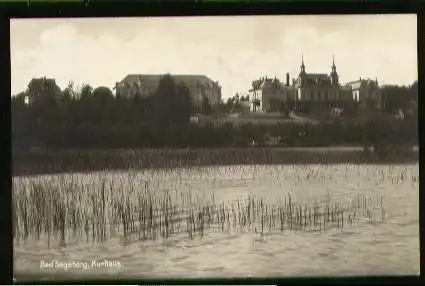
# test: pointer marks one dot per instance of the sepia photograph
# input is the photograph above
(215, 146)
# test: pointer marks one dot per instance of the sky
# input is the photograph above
(233, 50)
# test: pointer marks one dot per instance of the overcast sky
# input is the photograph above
(233, 50)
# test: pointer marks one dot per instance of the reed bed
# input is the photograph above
(35, 162)
(165, 203)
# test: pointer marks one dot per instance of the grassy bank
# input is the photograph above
(43, 161)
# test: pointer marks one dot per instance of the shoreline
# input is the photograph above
(37, 162)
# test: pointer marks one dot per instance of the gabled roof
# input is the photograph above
(317, 75)
(313, 78)
(153, 80)
(361, 83)
(271, 83)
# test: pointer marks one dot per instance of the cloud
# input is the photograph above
(232, 50)
(61, 35)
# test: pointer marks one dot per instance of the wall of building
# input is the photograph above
(268, 94)
(129, 91)
(316, 93)
(197, 94)
(256, 95)
(284, 94)
(196, 91)
(366, 91)
(327, 94)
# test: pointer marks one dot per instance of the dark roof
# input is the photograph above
(363, 82)
(313, 78)
(317, 76)
(271, 83)
(153, 80)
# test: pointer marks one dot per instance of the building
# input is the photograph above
(272, 90)
(199, 86)
(39, 87)
(366, 92)
(256, 95)
(320, 90)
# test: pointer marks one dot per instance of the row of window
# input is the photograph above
(325, 95)
(320, 95)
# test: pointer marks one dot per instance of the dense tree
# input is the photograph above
(94, 118)
(170, 104)
(86, 92)
(396, 97)
(102, 94)
(220, 108)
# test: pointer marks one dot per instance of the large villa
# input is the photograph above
(320, 89)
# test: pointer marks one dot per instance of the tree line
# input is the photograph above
(94, 118)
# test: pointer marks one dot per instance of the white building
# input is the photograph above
(320, 89)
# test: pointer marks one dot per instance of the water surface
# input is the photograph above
(358, 249)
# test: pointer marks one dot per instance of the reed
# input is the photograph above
(161, 204)
(35, 162)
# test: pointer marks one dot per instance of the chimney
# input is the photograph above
(287, 79)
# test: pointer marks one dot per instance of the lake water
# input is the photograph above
(360, 248)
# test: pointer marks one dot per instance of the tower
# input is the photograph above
(302, 72)
(300, 84)
(334, 74)
(302, 64)
(334, 89)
